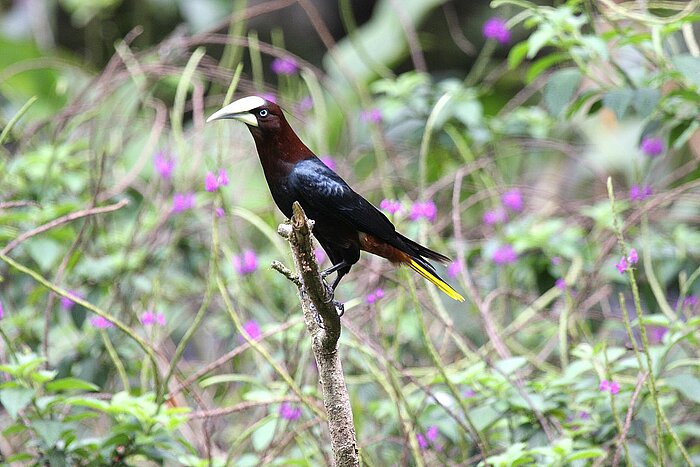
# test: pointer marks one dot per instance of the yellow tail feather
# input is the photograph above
(442, 285)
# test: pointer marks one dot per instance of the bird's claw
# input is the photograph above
(319, 321)
(330, 293)
(340, 308)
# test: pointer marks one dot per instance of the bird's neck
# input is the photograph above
(280, 150)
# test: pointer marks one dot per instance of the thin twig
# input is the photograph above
(240, 407)
(60, 221)
(628, 419)
(18, 204)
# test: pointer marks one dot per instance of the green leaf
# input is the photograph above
(44, 251)
(49, 430)
(645, 101)
(544, 64)
(263, 435)
(681, 134)
(653, 320)
(585, 454)
(15, 399)
(595, 44)
(509, 365)
(70, 384)
(560, 89)
(88, 402)
(619, 101)
(539, 39)
(689, 67)
(517, 55)
(687, 385)
(43, 376)
(484, 416)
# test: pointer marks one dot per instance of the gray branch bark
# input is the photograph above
(316, 301)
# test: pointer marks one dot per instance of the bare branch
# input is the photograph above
(316, 301)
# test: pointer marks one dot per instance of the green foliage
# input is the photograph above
(516, 164)
(66, 421)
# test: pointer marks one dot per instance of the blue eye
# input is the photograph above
(263, 113)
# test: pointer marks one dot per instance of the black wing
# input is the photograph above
(325, 195)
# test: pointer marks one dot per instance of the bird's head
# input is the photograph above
(259, 114)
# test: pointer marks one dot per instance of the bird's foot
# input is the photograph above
(319, 321)
(339, 308)
(330, 293)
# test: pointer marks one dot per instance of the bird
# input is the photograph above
(344, 222)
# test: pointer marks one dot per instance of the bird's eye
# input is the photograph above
(263, 113)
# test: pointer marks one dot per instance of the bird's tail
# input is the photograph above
(423, 250)
(428, 272)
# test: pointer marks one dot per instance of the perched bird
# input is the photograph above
(345, 222)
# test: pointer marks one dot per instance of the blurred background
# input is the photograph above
(88, 29)
(493, 133)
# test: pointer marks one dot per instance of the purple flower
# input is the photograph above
(183, 201)
(640, 193)
(100, 322)
(289, 412)
(690, 301)
(374, 296)
(469, 393)
(622, 265)
(373, 115)
(213, 182)
(2, 311)
(163, 165)
(149, 318)
(504, 254)
(66, 303)
(652, 146)
(556, 260)
(613, 387)
(268, 96)
(305, 104)
(246, 264)
(424, 209)
(494, 216)
(220, 212)
(253, 329)
(390, 206)
(513, 200)
(284, 66)
(495, 28)
(430, 436)
(210, 182)
(222, 178)
(656, 333)
(328, 161)
(432, 433)
(560, 284)
(633, 257)
(454, 269)
(583, 415)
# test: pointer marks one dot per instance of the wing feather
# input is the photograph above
(327, 196)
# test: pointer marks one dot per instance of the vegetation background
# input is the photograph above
(551, 148)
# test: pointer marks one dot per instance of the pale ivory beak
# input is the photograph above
(240, 110)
